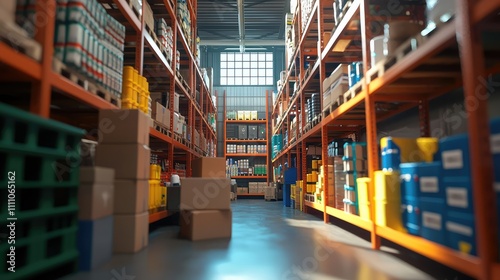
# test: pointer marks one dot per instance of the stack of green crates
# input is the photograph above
(39, 158)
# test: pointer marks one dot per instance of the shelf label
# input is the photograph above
(457, 197)
(495, 143)
(458, 228)
(432, 220)
(429, 185)
(453, 159)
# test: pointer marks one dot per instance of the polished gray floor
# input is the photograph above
(269, 242)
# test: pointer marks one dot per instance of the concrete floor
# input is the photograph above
(269, 242)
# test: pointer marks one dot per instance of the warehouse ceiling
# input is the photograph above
(262, 23)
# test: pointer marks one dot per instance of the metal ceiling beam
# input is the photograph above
(241, 25)
(247, 42)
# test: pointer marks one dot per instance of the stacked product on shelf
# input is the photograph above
(90, 42)
(135, 90)
(270, 192)
(355, 71)
(245, 148)
(157, 192)
(336, 151)
(256, 187)
(277, 144)
(149, 20)
(213, 217)
(296, 194)
(355, 165)
(95, 215)
(313, 107)
(35, 164)
(126, 150)
(243, 167)
(330, 174)
(161, 115)
(185, 19)
(397, 33)
(305, 10)
(335, 85)
(166, 37)
(364, 195)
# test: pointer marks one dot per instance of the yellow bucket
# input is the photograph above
(364, 197)
(428, 147)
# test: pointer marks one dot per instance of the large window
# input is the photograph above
(246, 69)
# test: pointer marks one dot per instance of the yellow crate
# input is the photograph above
(364, 197)
(152, 185)
(163, 196)
(388, 200)
(247, 115)
(292, 191)
(241, 115)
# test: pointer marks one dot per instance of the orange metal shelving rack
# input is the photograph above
(266, 141)
(462, 37)
(45, 81)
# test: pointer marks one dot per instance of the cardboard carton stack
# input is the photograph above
(124, 146)
(95, 216)
(205, 201)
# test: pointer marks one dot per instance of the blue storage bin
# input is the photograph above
(95, 242)
(458, 191)
(455, 159)
(433, 219)
(495, 146)
(460, 232)
(287, 201)
(391, 156)
(411, 214)
(421, 180)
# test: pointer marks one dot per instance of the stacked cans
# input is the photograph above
(313, 106)
(165, 35)
(355, 73)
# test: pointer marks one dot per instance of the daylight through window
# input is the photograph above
(245, 69)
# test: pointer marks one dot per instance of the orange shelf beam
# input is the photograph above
(155, 133)
(154, 217)
(129, 14)
(314, 205)
(156, 50)
(449, 257)
(250, 194)
(350, 218)
(75, 91)
(308, 26)
(20, 62)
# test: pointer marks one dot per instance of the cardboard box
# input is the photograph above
(131, 233)
(157, 112)
(209, 167)
(205, 194)
(242, 190)
(95, 200)
(131, 196)
(173, 198)
(176, 102)
(123, 127)
(95, 242)
(130, 161)
(206, 224)
(95, 174)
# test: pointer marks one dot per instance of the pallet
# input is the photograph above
(353, 91)
(344, 11)
(17, 38)
(84, 82)
(163, 129)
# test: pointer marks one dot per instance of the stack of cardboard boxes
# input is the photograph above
(123, 146)
(205, 201)
(95, 225)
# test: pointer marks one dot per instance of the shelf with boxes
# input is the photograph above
(387, 63)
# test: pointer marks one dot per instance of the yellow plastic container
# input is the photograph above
(128, 105)
(314, 176)
(388, 200)
(314, 164)
(364, 197)
(163, 196)
(309, 177)
(428, 146)
(292, 191)
(152, 185)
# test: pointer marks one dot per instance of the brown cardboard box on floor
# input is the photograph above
(95, 200)
(131, 196)
(131, 232)
(130, 161)
(205, 194)
(96, 174)
(205, 224)
(209, 167)
(123, 126)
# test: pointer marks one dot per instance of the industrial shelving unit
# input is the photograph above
(52, 95)
(249, 141)
(452, 56)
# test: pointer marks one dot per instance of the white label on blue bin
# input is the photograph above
(496, 185)
(429, 184)
(495, 143)
(431, 220)
(457, 197)
(458, 228)
(453, 159)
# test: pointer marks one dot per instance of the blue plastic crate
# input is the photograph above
(460, 232)
(495, 146)
(411, 215)
(95, 242)
(458, 192)
(421, 180)
(455, 158)
(433, 219)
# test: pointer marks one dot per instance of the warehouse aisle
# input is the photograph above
(269, 243)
